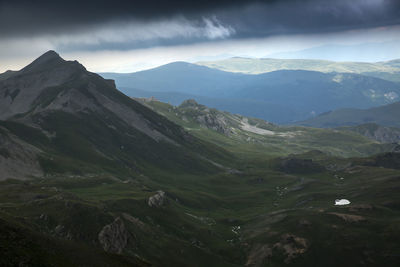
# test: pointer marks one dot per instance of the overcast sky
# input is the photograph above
(126, 36)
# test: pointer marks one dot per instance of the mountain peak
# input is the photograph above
(50, 54)
(50, 58)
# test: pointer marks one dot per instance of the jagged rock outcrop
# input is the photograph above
(377, 132)
(384, 134)
(114, 236)
(217, 122)
(158, 200)
(208, 118)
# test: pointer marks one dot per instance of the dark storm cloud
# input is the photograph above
(42, 16)
(312, 16)
(248, 19)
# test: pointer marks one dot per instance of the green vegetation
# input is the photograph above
(124, 183)
(200, 223)
(229, 131)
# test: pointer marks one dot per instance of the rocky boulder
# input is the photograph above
(114, 236)
(157, 200)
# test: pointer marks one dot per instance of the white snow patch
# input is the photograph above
(244, 125)
(341, 202)
(254, 129)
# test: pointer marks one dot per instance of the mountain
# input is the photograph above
(181, 77)
(387, 115)
(251, 107)
(387, 70)
(6, 74)
(280, 96)
(62, 118)
(237, 133)
(91, 177)
(358, 52)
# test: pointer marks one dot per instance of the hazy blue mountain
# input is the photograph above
(387, 70)
(182, 77)
(387, 115)
(249, 107)
(263, 65)
(279, 96)
(370, 52)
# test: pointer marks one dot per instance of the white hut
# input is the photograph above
(341, 202)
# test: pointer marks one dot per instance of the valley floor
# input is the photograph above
(268, 213)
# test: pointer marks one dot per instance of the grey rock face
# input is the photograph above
(384, 134)
(216, 122)
(52, 84)
(207, 118)
(20, 91)
(158, 200)
(18, 159)
(114, 236)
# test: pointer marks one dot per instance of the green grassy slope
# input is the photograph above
(260, 216)
(228, 130)
(286, 216)
(387, 115)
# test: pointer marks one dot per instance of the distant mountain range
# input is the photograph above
(358, 52)
(388, 70)
(282, 96)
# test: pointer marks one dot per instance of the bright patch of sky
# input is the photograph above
(21, 51)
